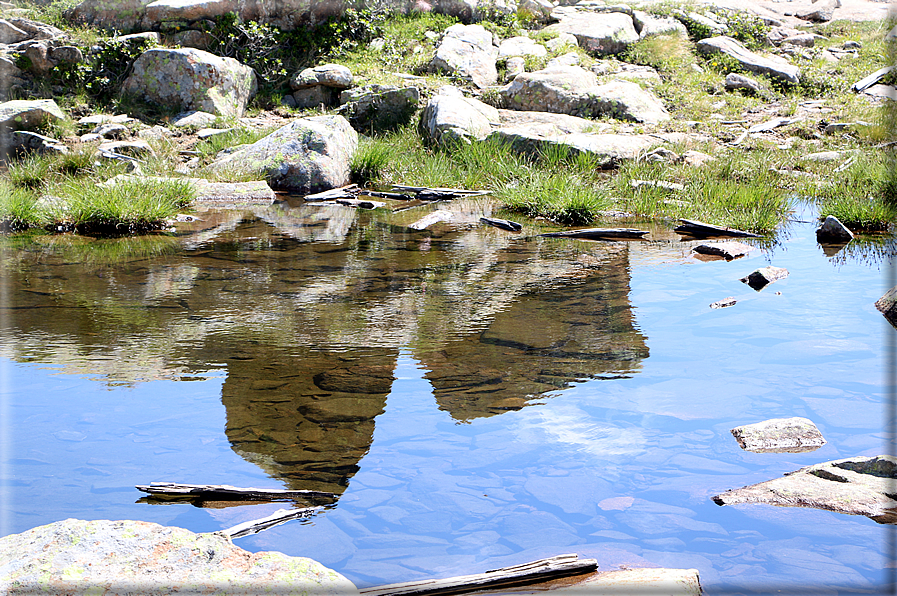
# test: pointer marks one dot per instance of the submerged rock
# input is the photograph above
(779, 435)
(856, 486)
(131, 557)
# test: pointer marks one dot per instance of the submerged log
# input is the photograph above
(361, 203)
(527, 573)
(598, 233)
(504, 224)
(432, 218)
(703, 230)
(225, 492)
(280, 516)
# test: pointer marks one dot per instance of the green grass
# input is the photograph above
(18, 208)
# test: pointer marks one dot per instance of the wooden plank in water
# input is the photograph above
(172, 490)
(598, 233)
(517, 575)
(343, 192)
(703, 230)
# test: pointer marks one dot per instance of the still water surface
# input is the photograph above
(475, 398)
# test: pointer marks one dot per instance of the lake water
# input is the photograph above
(475, 398)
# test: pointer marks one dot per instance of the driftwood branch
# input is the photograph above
(703, 230)
(280, 516)
(598, 233)
(344, 192)
(527, 573)
(225, 492)
(504, 224)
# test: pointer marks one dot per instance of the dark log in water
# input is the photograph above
(222, 492)
(598, 233)
(703, 230)
(504, 224)
(518, 575)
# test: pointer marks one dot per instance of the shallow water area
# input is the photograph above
(475, 398)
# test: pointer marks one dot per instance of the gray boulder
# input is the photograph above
(193, 118)
(308, 155)
(467, 52)
(192, 79)
(521, 46)
(25, 141)
(749, 60)
(129, 557)
(821, 11)
(856, 486)
(601, 33)
(832, 231)
(736, 81)
(160, 11)
(379, 107)
(779, 435)
(450, 117)
(726, 249)
(9, 33)
(320, 85)
(573, 90)
(20, 114)
(648, 24)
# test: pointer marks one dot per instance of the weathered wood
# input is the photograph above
(399, 196)
(704, 230)
(424, 193)
(504, 224)
(598, 233)
(432, 218)
(222, 492)
(516, 575)
(343, 192)
(870, 80)
(280, 516)
(361, 203)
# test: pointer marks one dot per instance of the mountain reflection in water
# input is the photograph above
(307, 310)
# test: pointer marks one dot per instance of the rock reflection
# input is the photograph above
(307, 308)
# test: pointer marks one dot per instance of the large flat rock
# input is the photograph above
(733, 48)
(134, 557)
(600, 33)
(857, 486)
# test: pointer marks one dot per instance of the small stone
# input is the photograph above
(207, 133)
(514, 66)
(154, 133)
(727, 250)
(335, 76)
(313, 97)
(90, 137)
(193, 118)
(764, 276)
(696, 158)
(137, 148)
(832, 231)
(852, 45)
(779, 435)
(111, 131)
(671, 186)
(564, 39)
(724, 303)
(736, 81)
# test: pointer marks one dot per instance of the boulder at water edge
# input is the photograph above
(833, 231)
(779, 435)
(308, 155)
(887, 305)
(449, 116)
(134, 557)
(191, 79)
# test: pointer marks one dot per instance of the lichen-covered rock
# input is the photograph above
(192, 79)
(857, 486)
(467, 52)
(777, 68)
(308, 155)
(573, 90)
(336, 76)
(738, 81)
(135, 557)
(449, 117)
(779, 435)
(379, 107)
(20, 114)
(601, 33)
(159, 11)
